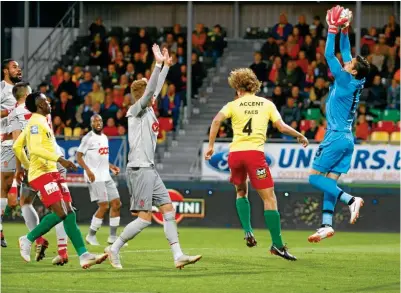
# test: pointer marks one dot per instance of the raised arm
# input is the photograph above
(163, 74)
(345, 46)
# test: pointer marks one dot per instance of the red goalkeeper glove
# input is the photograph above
(348, 15)
(335, 19)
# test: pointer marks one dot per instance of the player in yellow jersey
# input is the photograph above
(250, 116)
(43, 176)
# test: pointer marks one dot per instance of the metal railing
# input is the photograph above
(49, 52)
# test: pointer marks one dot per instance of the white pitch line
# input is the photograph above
(70, 290)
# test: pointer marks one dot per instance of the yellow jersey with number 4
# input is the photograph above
(250, 116)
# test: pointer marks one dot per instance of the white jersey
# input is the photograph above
(96, 155)
(7, 102)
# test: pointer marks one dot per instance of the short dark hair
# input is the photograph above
(30, 101)
(362, 67)
(4, 65)
(20, 89)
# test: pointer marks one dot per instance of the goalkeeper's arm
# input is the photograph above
(345, 46)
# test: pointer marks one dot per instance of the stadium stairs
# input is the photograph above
(179, 162)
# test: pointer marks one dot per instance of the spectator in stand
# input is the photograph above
(394, 60)
(318, 93)
(181, 57)
(57, 78)
(139, 76)
(384, 48)
(217, 42)
(140, 67)
(124, 84)
(321, 68)
(290, 112)
(127, 56)
(78, 75)
(282, 53)
(199, 39)
(130, 72)
(58, 126)
(321, 131)
(183, 78)
(121, 119)
(67, 86)
(362, 128)
(148, 73)
(370, 40)
(120, 63)
(392, 28)
(174, 73)
(181, 43)
(377, 97)
(297, 36)
(114, 47)
(273, 72)
(170, 105)
(146, 58)
(308, 48)
(44, 89)
(111, 79)
(321, 47)
(269, 49)
(171, 43)
(259, 67)
(318, 26)
(302, 26)
(97, 28)
(84, 114)
(121, 130)
(290, 75)
(378, 59)
(302, 62)
(127, 102)
(98, 53)
(397, 75)
(309, 78)
(282, 29)
(97, 93)
(292, 47)
(141, 38)
(108, 108)
(65, 109)
(278, 97)
(296, 95)
(96, 108)
(314, 36)
(110, 129)
(118, 96)
(198, 73)
(85, 87)
(311, 132)
(393, 95)
(177, 31)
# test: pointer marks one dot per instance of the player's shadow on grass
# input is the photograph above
(378, 288)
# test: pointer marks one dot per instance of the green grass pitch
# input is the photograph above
(348, 262)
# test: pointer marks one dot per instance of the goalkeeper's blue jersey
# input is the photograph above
(343, 98)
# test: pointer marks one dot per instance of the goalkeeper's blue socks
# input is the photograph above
(329, 203)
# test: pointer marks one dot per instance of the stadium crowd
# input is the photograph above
(101, 83)
(296, 76)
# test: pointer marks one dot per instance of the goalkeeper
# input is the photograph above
(333, 157)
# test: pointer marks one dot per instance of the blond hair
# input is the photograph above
(138, 89)
(244, 80)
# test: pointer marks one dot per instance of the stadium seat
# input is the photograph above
(152, 32)
(252, 33)
(379, 136)
(397, 126)
(161, 136)
(165, 30)
(93, 69)
(304, 125)
(395, 137)
(378, 113)
(166, 123)
(115, 31)
(131, 31)
(391, 115)
(387, 126)
(67, 132)
(313, 114)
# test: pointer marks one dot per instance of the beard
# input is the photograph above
(15, 79)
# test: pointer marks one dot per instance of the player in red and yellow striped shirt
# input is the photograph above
(250, 116)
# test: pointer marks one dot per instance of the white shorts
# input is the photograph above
(103, 191)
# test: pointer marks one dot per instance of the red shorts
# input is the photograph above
(252, 164)
(52, 188)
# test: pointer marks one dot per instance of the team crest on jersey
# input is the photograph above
(261, 173)
(34, 129)
(155, 127)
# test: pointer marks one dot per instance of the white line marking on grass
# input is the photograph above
(69, 290)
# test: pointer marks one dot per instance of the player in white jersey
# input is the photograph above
(17, 120)
(144, 183)
(93, 157)
(11, 74)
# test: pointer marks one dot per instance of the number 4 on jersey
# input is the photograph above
(248, 127)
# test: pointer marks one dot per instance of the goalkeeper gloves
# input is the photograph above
(335, 18)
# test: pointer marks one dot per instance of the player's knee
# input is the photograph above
(169, 216)
(115, 204)
(104, 206)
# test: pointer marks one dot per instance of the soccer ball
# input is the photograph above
(346, 13)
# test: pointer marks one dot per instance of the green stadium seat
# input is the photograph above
(313, 114)
(391, 115)
(378, 113)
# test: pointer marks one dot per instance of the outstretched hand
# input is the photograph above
(158, 55)
(167, 59)
(336, 17)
